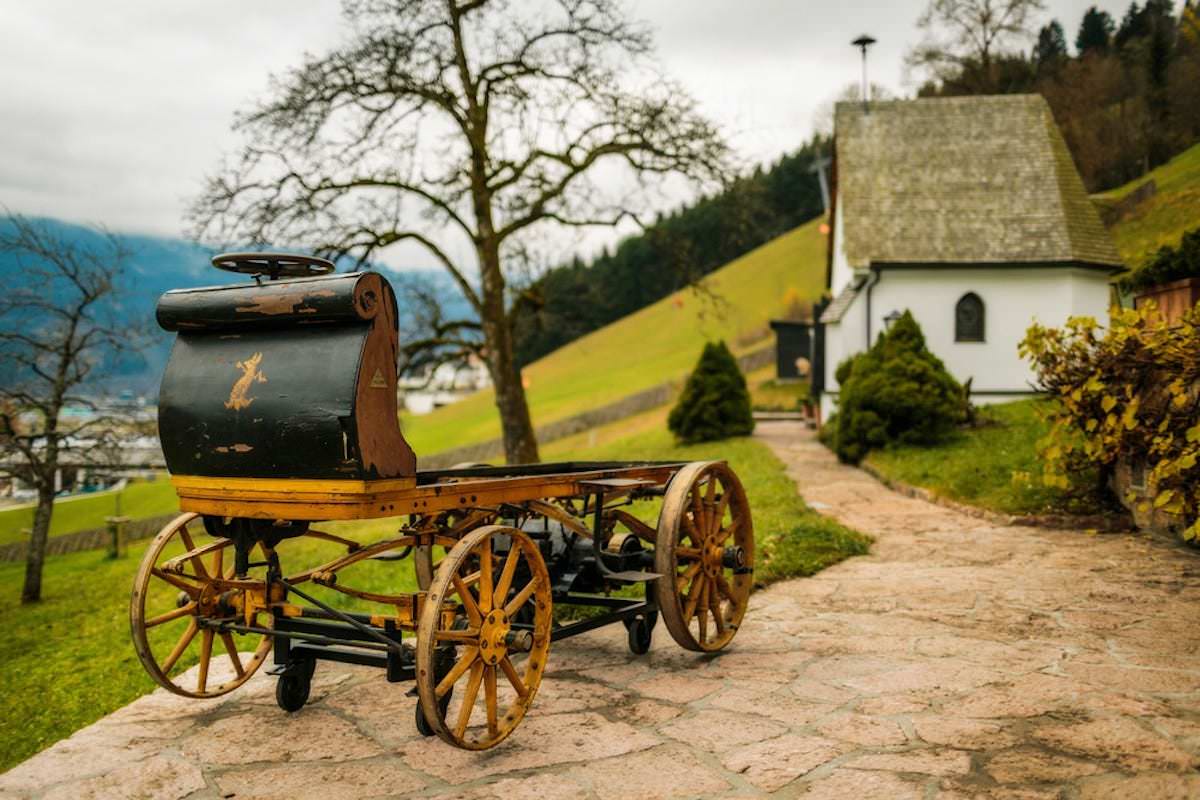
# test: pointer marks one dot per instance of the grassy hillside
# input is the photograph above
(658, 343)
(1164, 218)
(137, 501)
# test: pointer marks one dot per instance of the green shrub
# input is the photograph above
(1127, 392)
(896, 392)
(715, 403)
(1169, 264)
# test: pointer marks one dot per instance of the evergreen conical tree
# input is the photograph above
(898, 391)
(715, 403)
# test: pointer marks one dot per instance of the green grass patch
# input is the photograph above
(137, 500)
(994, 466)
(768, 393)
(1163, 219)
(656, 344)
(68, 661)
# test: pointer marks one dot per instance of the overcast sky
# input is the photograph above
(112, 112)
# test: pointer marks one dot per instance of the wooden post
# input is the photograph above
(116, 536)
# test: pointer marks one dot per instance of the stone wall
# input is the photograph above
(93, 539)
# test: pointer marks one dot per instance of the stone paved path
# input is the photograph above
(958, 660)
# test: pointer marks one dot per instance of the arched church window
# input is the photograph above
(968, 319)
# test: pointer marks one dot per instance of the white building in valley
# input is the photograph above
(968, 212)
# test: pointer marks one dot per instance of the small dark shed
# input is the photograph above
(793, 348)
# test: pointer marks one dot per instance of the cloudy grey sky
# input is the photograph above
(113, 112)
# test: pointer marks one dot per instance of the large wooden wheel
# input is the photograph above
(486, 596)
(705, 553)
(172, 599)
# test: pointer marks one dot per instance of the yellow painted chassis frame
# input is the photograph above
(300, 500)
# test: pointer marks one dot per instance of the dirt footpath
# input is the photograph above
(960, 659)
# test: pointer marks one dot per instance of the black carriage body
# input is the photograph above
(294, 379)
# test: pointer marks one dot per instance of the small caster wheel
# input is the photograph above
(423, 726)
(640, 632)
(445, 664)
(292, 687)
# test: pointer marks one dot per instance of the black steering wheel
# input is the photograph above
(273, 265)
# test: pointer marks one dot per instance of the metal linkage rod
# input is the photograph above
(368, 630)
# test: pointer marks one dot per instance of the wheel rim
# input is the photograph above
(705, 553)
(493, 680)
(168, 609)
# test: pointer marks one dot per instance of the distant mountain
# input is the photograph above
(159, 264)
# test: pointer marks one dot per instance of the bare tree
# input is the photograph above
(56, 328)
(967, 35)
(462, 126)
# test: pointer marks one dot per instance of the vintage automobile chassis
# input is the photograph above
(483, 615)
(278, 410)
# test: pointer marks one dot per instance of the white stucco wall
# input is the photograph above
(1013, 298)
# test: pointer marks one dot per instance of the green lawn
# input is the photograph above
(658, 343)
(68, 661)
(1164, 218)
(994, 466)
(137, 500)
(768, 393)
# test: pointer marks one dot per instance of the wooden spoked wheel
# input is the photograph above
(469, 645)
(705, 553)
(173, 599)
(453, 523)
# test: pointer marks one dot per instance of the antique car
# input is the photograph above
(278, 411)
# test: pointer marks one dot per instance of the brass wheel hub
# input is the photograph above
(712, 557)
(493, 637)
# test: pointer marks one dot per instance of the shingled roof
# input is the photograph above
(963, 180)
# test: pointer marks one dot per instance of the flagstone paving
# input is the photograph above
(960, 659)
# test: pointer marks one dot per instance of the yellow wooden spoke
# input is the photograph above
(486, 587)
(689, 528)
(197, 562)
(231, 649)
(515, 604)
(700, 526)
(685, 577)
(697, 587)
(510, 672)
(175, 613)
(218, 558)
(722, 505)
(489, 698)
(456, 672)
(468, 700)
(180, 646)
(724, 588)
(710, 495)
(206, 643)
(506, 575)
(687, 553)
(468, 601)
(178, 582)
(714, 603)
(702, 612)
(468, 636)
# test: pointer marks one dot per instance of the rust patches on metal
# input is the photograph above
(235, 448)
(284, 303)
(239, 395)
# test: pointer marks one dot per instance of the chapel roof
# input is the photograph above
(958, 180)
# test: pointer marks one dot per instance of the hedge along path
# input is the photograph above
(960, 659)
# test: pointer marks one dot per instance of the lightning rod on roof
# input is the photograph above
(862, 43)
